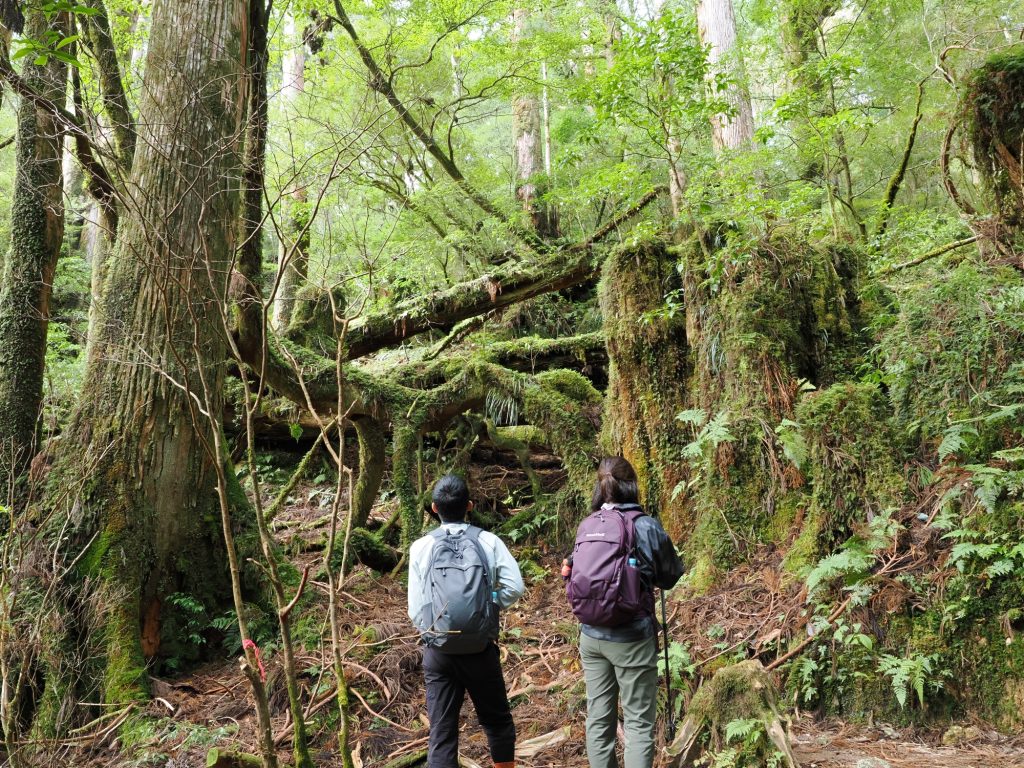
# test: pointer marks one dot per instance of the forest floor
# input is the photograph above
(210, 706)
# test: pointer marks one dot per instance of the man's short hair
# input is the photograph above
(451, 495)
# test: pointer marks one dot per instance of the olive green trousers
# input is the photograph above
(626, 671)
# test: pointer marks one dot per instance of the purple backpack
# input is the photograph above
(605, 588)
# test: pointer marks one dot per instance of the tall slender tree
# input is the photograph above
(716, 23)
(293, 249)
(528, 148)
(37, 230)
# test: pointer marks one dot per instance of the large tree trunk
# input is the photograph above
(37, 229)
(716, 24)
(134, 474)
(528, 150)
(648, 373)
(735, 354)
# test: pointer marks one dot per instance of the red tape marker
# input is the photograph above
(249, 644)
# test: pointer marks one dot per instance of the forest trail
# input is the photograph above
(542, 673)
(545, 682)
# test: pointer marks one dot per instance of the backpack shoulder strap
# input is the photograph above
(472, 533)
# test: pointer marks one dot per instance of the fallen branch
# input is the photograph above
(532, 747)
(929, 255)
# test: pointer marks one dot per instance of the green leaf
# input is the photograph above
(696, 416)
(740, 729)
(954, 439)
(23, 51)
(295, 429)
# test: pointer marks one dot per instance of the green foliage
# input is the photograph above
(855, 558)
(530, 526)
(712, 434)
(681, 669)
(914, 673)
(794, 446)
(950, 360)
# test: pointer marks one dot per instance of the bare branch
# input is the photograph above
(383, 85)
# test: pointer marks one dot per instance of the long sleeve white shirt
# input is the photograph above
(503, 568)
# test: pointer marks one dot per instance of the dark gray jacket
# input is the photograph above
(660, 567)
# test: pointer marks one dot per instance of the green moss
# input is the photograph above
(649, 373)
(995, 119)
(738, 692)
(854, 466)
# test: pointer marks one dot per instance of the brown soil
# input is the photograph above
(542, 674)
(211, 706)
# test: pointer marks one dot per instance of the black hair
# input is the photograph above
(451, 495)
(616, 483)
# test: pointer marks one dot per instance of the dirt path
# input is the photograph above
(545, 682)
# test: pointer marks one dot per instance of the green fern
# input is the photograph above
(913, 673)
(740, 729)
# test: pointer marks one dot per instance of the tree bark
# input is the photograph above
(649, 372)
(111, 85)
(716, 24)
(528, 150)
(293, 250)
(801, 25)
(372, 459)
(135, 473)
(37, 229)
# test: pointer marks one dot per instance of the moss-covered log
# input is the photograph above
(502, 288)
(37, 230)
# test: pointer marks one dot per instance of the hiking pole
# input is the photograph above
(670, 720)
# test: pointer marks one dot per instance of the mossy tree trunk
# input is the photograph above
(648, 373)
(134, 476)
(372, 459)
(785, 315)
(37, 230)
(735, 349)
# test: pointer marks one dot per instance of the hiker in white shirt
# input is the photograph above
(452, 665)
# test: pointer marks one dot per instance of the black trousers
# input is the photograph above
(449, 678)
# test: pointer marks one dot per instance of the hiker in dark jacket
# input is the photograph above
(621, 661)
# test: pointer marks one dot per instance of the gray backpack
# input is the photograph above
(463, 611)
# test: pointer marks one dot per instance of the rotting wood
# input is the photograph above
(218, 758)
